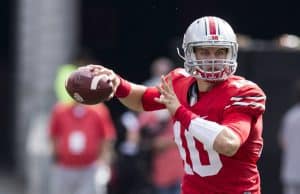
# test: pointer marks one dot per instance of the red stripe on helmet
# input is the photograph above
(212, 26)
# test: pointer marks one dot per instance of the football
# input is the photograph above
(86, 88)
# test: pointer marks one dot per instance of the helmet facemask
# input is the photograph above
(210, 69)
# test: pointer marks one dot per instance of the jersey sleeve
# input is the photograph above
(240, 123)
(244, 108)
(248, 99)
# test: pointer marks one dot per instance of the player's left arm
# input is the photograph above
(225, 137)
(236, 129)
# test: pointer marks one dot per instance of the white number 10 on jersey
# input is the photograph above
(196, 166)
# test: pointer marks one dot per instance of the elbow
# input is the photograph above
(227, 147)
(230, 148)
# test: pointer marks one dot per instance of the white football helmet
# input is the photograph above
(210, 31)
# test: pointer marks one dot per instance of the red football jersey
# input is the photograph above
(79, 131)
(235, 99)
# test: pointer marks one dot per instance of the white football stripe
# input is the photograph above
(253, 104)
(96, 80)
(257, 98)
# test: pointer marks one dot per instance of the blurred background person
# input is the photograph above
(160, 66)
(133, 159)
(81, 148)
(288, 136)
(82, 138)
(149, 139)
(38, 145)
(166, 167)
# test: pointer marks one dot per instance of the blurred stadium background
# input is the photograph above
(39, 35)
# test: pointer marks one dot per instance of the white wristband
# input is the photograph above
(205, 131)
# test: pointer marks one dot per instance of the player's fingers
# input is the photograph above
(170, 83)
(101, 70)
(165, 94)
(111, 74)
(164, 83)
(158, 100)
(161, 99)
(95, 66)
(115, 80)
(82, 68)
(161, 89)
(105, 71)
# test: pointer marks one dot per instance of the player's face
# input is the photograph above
(203, 53)
(210, 55)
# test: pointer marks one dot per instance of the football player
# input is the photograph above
(217, 115)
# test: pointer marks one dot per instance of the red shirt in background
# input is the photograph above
(78, 132)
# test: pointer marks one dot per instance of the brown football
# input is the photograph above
(86, 88)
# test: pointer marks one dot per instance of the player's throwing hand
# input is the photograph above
(99, 69)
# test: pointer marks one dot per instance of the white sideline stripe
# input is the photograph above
(95, 81)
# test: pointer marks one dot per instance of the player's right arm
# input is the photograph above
(134, 96)
(134, 99)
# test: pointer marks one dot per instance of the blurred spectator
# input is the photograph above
(166, 166)
(38, 145)
(82, 139)
(244, 41)
(160, 66)
(289, 142)
(288, 41)
(149, 138)
(133, 158)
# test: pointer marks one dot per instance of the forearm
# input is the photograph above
(138, 97)
(211, 134)
(134, 99)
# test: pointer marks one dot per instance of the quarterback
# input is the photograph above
(217, 115)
